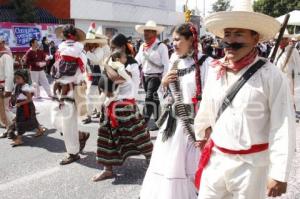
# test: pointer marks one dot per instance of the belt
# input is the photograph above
(110, 111)
(153, 74)
(2, 81)
(206, 153)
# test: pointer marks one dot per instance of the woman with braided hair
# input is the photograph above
(175, 156)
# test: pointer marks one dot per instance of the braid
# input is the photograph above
(195, 57)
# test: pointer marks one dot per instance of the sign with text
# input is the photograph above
(18, 35)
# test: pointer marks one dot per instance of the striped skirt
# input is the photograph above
(129, 137)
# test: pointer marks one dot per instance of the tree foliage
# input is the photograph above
(24, 10)
(276, 8)
(221, 5)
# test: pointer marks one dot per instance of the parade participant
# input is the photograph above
(36, 60)
(68, 73)
(97, 50)
(174, 160)
(6, 86)
(153, 56)
(288, 61)
(123, 131)
(25, 115)
(246, 102)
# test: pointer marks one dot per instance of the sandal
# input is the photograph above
(40, 132)
(17, 142)
(68, 160)
(105, 174)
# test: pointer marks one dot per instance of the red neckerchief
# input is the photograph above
(149, 44)
(222, 66)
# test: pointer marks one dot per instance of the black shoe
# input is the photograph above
(3, 135)
(68, 160)
(87, 120)
(83, 141)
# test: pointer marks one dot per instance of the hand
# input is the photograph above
(171, 76)
(276, 188)
(41, 64)
(200, 144)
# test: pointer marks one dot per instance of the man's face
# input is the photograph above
(149, 34)
(248, 38)
(35, 44)
(284, 42)
(2, 44)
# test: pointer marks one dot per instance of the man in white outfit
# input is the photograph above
(6, 86)
(288, 61)
(97, 49)
(251, 146)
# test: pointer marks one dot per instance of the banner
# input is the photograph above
(18, 35)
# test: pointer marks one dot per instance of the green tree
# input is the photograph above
(24, 10)
(276, 8)
(221, 5)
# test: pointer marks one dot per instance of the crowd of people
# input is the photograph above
(225, 114)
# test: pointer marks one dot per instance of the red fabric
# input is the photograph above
(110, 111)
(26, 111)
(149, 44)
(33, 57)
(74, 59)
(1, 82)
(236, 66)
(207, 150)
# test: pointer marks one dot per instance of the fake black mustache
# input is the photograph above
(234, 46)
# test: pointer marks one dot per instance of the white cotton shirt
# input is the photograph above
(160, 56)
(7, 72)
(189, 91)
(25, 88)
(136, 80)
(261, 112)
(292, 66)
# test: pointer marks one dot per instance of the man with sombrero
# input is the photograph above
(6, 86)
(154, 59)
(247, 103)
(97, 49)
(288, 61)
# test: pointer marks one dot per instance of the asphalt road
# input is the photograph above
(32, 171)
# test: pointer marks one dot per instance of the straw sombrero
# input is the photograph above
(285, 35)
(150, 25)
(94, 36)
(59, 33)
(243, 17)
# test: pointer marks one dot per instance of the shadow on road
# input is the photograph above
(46, 142)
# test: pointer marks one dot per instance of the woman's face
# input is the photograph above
(19, 79)
(182, 45)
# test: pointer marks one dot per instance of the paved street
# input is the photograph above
(32, 171)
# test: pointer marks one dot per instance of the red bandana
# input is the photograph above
(236, 66)
(149, 44)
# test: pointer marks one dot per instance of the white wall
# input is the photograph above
(113, 11)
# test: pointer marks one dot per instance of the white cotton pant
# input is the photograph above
(94, 99)
(64, 119)
(227, 177)
(6, 116)
(39, 78)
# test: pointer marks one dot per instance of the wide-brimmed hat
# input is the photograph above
(93, 36)
(80, 34)
(150, 25)
(242, 16)
(286, 34)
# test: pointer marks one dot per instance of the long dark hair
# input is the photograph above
(69, 31)
(120, 40)
(188, 30)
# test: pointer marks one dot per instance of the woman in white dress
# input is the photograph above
(175, 157)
